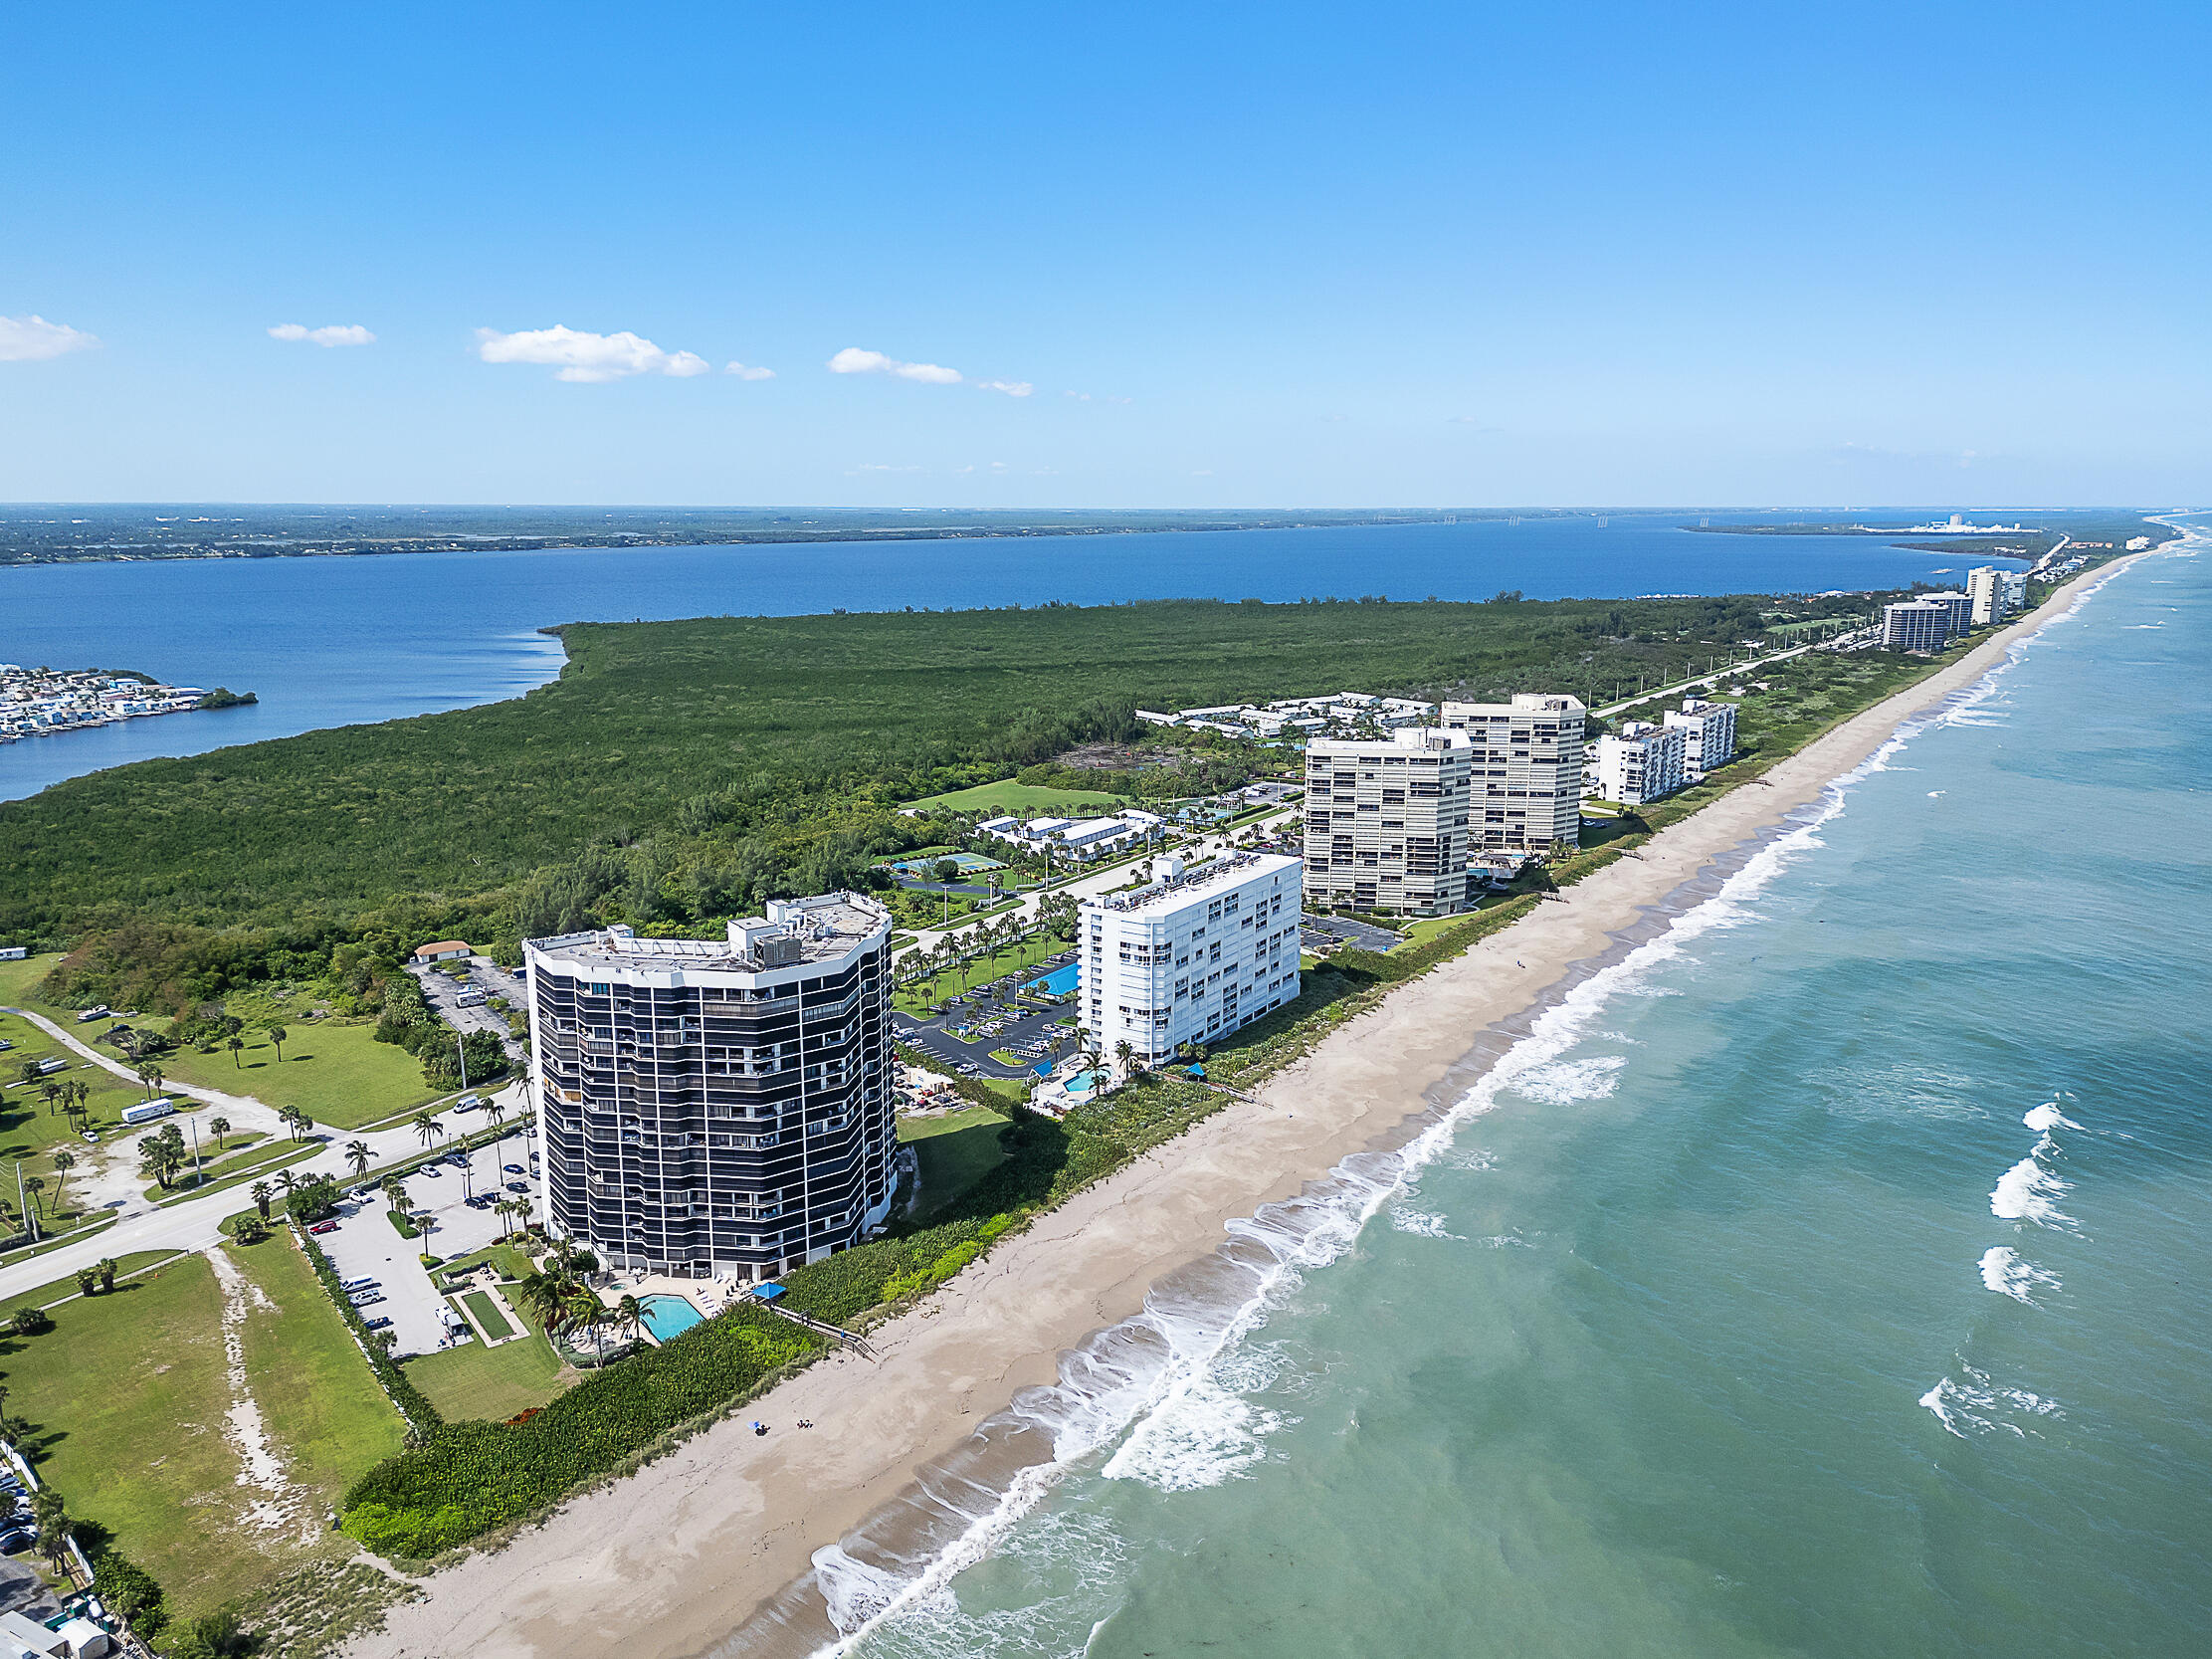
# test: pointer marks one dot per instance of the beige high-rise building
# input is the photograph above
(1524, 769)
(1386, 822)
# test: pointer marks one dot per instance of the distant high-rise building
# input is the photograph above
(1386, 821)
(1915, 625)
(1645, 763)
(1191, 956)
(1961, 606)
(1708, 734)
(1524, 769)
(717, 1106)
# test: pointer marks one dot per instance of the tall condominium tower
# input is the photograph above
(1191, 956)
(1386, 822)
(1525, 769)
(717, 1106)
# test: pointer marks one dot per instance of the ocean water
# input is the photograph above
(1830, 1276)
(334, 640)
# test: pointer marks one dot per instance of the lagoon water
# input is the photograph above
(333, 641)
(1830, 1278)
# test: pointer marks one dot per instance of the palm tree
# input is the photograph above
(545, 1295)
(64, 1163)
(395, 1192)
(87, 1280)
(1125, 1057)
(357, 1155)
(297, 1120)
(427, 1128)
(162, 1159)
(629, 1316)
(48, 1089)
(33, 1186)
(583, 1311)
(106, 1269)
(289, 1181)
(236, 1045)
(277, 1035)
(494, 1107)
(261, 1193)
(53, 1522)
(218, 1127)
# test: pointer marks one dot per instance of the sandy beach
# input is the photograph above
(708, 1550)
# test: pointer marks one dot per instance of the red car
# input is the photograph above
(323, 1227)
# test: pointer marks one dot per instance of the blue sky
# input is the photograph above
(1471, 254)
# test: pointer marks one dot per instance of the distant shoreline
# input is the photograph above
(929, 1411)
(770, 530)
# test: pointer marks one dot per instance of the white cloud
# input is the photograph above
(748, 371)
(1012, 388)
(1079, 397)
(336, 334)
(588, 357)
(854, 360)
(33, 339)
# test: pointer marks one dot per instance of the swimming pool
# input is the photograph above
(1082, 1083)
(1060, 981)
(669, 1315)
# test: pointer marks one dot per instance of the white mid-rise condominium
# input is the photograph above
(1708, 734)
(1191, 956)
(1915, 625)
(1524, 769)
(1646, 763)
(1386, 821)
(1996, 594)
(717, 1106)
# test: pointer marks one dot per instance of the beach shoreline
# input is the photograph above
(710, 1548)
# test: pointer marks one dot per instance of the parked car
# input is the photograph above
(512, 1169)
(15, 1541)
(367, 1299)
(90, 1138)
(468, 1103)
(323, 1227)
(349, 1286)
(517, 1187)
(382, 1322)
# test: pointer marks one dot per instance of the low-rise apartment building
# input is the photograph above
(1386, 821)
(1524, 763)
(1646, 763)
(1191, 956)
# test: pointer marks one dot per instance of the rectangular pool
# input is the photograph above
(669, 1315)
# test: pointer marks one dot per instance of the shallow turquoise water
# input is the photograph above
(1832, 1278)
(669, 1315)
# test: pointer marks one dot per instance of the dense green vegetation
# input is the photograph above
(686, 770)
(468, 1478)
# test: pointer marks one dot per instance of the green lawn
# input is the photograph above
(144, 1453)
(489, 1384)
(487, 1315)
(1031, 799)
(956, 1151)
(923, 994)
(340, 1075)
(315, 1391)
(29, 1127)
(59, 1288)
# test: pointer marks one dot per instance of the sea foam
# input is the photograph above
(2003, 1271)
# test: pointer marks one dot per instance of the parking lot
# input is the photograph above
(443, 994)
(991, 1017)
(1319, 934)
(365, 1245)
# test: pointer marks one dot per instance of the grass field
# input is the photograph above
(923, 994)
(339, 1075)
(146, 1452)
(28, 1129)
(956, 1151)
(1030, 799)
(491, 1383)
(54, 1290)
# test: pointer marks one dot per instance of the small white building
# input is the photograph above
(1708, 734)
(1191, 956)
(1646, 763)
